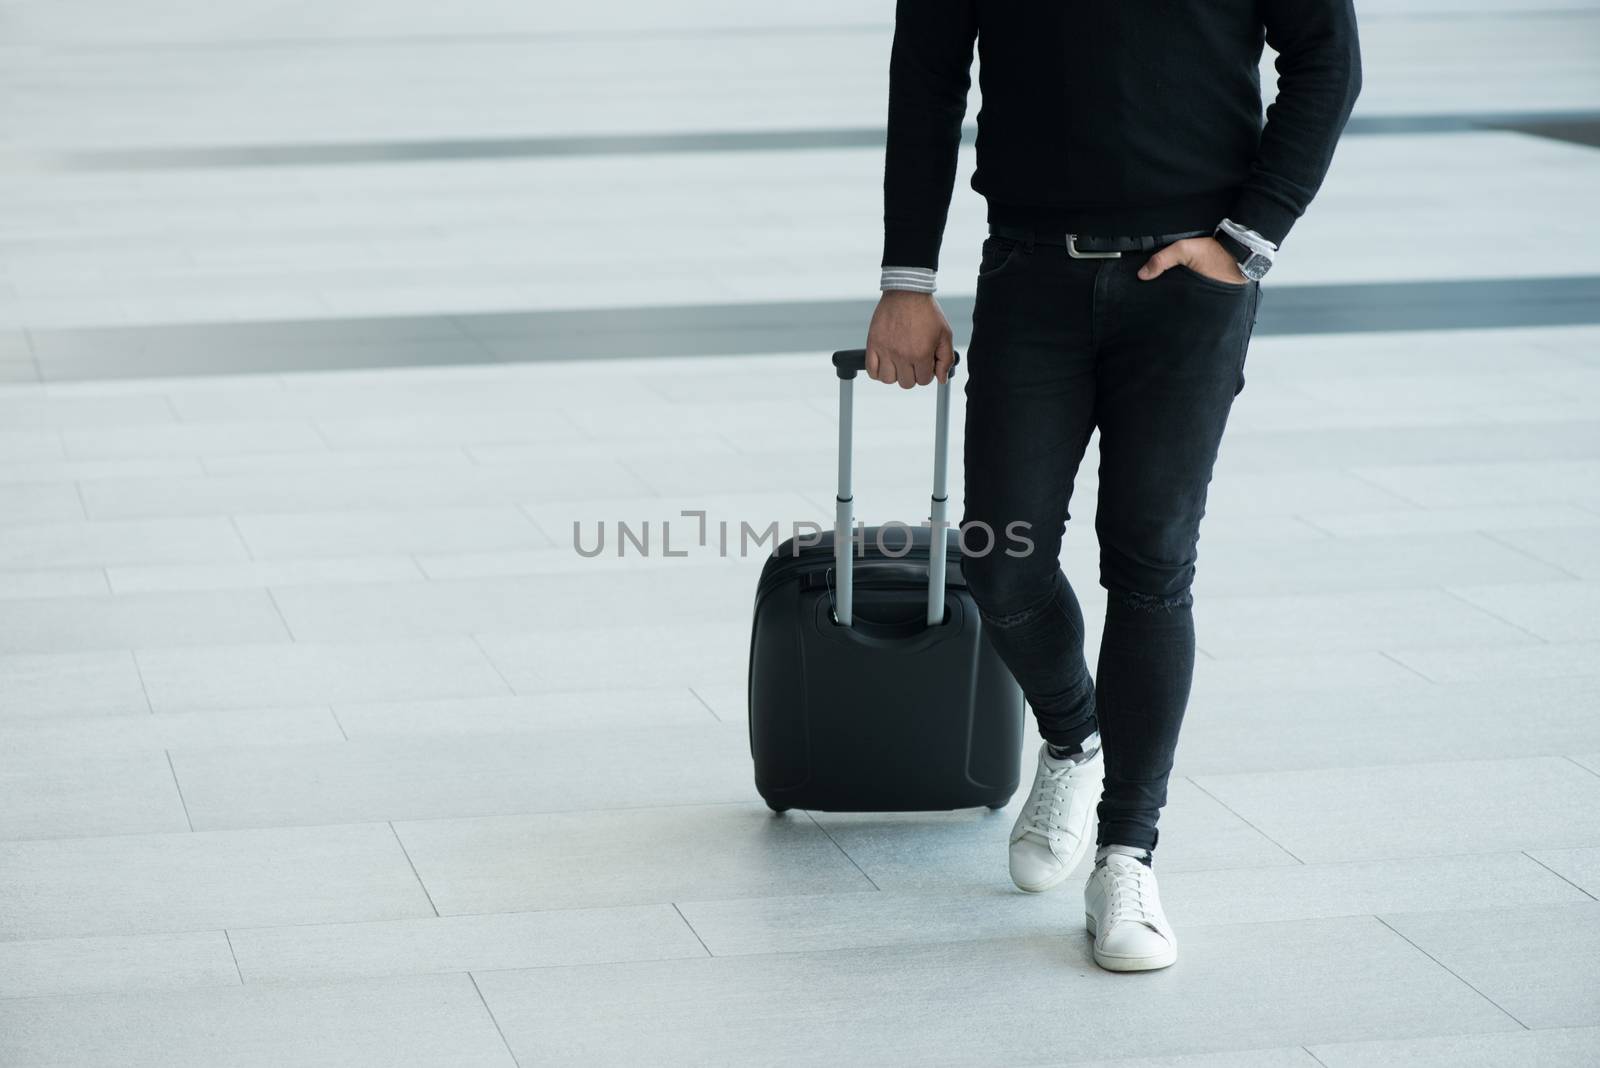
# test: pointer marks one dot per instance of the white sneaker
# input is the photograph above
(1052, 833)
(1122, 910)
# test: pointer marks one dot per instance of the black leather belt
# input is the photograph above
(1087, 247)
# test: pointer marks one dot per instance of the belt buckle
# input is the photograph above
(1072, 250)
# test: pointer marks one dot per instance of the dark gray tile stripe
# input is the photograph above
(1538, 123)
(484, 149)
(1578, 131)
(728, 329)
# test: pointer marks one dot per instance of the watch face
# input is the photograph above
(1255, 268)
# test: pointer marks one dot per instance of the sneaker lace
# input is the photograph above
(1044, 809)
(1132, 894)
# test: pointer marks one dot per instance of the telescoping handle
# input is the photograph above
(847, 363)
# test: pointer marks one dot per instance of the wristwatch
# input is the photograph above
(1253, 251)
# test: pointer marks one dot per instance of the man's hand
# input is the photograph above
(909, 341)
(1203, 255)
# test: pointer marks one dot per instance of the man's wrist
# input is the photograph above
(907, 279)
(1253, 252)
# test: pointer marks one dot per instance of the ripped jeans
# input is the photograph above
(1060, 347)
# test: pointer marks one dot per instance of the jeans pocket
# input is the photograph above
(1193, 275)
(998, 254)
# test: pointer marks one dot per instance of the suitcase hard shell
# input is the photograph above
(871, 686)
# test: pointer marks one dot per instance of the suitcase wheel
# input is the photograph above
(777, 810)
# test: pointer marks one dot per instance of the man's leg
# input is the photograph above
(1030, 398)
(1171, 359)
(1170, 363)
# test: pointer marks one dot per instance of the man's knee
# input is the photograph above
(1164, 603)
(1007, 589)
(1157, 577)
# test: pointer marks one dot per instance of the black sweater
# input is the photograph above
(1114, 117)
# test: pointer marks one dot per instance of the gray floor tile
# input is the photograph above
(741, 926)
(943, 850)
(117, 962)
(1247, 672)
(892, 1005)
(1543, 968)
(30, 444)
(678, 596)
(54, 471)
(477, 565)
(1570, 547)
(103, 544)
(1338, 565)
(1393, 388)
(1557, 612)
(1572, 1047)
(1260, 626)
(26, 584)
(1336, 447)
(82, 624)
(68, 684)
(47, 411)
(411, 778)
(1238, 495)
(416, 1022)
(279, 537)
(1547, 482)
(204, 881)
(438, 460)
(1309, 891)
(590, 709)
(89, 443)
(1192, 898)
(1563, 660)
(1579, 866)
(1283, 729)
(692, 654)
(692, 474)
(680, 442)
(453, 397)
(463, 943)
(77, 736)
(621, 857)
(67, 796)
(730, 704)
(257, 574)
(246, 676)
(334, 489)
(35, 504)
(1279, 1057)
(448, 427)
(1508, 524)
(1418, 810)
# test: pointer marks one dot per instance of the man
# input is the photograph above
(1110, 130)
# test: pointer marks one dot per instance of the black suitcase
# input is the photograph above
(872, 686)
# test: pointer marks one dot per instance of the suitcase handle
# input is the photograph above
(847, 363)
(884, 574)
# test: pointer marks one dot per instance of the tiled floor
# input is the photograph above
(319, 744)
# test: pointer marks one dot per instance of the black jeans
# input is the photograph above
(1059, 347)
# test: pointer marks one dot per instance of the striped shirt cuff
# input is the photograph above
(915, 279)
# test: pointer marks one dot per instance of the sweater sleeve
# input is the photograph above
(1319, 76)
(930, 71)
